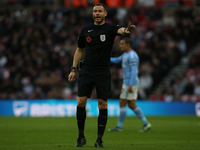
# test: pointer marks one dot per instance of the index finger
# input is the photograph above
(129, 25)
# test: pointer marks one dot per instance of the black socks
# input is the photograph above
(102, 120)
(81, 116)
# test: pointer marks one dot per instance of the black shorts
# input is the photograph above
(99, 78)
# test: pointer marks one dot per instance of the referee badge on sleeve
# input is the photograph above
(103, 37)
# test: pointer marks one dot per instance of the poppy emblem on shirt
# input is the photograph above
(103, 37)
(88, 39)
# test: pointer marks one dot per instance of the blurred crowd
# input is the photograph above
(37, 45)
(185, 87)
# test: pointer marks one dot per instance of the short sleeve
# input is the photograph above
(81, 40)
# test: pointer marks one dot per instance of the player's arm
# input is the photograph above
(123, 30)
(77, 56)
(116, 60)
(134, 73)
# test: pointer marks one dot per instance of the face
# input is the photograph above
(99, 15)
(124, 46)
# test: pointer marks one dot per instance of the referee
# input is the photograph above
(97, 41)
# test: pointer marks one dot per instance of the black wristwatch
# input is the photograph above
(73, 69)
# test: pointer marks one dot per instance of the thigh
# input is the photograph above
(85, 86)
(133, 95)
(103, 88)
(125, 94)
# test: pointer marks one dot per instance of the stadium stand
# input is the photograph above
(37, 45)
(183, 86)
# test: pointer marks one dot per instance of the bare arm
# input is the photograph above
(123, 30)
(77, 56)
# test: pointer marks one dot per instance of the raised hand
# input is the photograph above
(130, 26)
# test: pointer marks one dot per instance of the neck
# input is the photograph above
(128, 50)
(99, 23)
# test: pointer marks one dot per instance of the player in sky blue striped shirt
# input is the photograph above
(129, 92)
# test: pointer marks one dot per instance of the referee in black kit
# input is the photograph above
(97, 40)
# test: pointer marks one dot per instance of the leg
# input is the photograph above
(102, 118)
(132, 96)
(85, 86)
(81, 116)
(132, 105)
(102, 121)
(103, 89)
(122, 113)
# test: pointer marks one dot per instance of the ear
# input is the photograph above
(106, 13)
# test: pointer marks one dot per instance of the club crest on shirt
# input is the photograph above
(103, 37)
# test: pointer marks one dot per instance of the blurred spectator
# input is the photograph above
(189, 88)
(179, 85)
(28, 89)
(197, 88)
(169, 20)
(3, 60)
(169, 95)
(145, 84)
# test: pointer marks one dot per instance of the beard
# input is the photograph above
(101, 19)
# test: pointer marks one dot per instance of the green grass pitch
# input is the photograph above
(49, 133)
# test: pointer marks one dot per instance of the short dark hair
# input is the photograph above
(127, 40)
(101, 4)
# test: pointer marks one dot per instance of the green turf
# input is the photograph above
(168, 133)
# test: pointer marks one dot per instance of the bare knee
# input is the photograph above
(122, 102)
(102, 104)
(132, 104)
(82, 101)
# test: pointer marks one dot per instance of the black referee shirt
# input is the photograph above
(97, 41)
